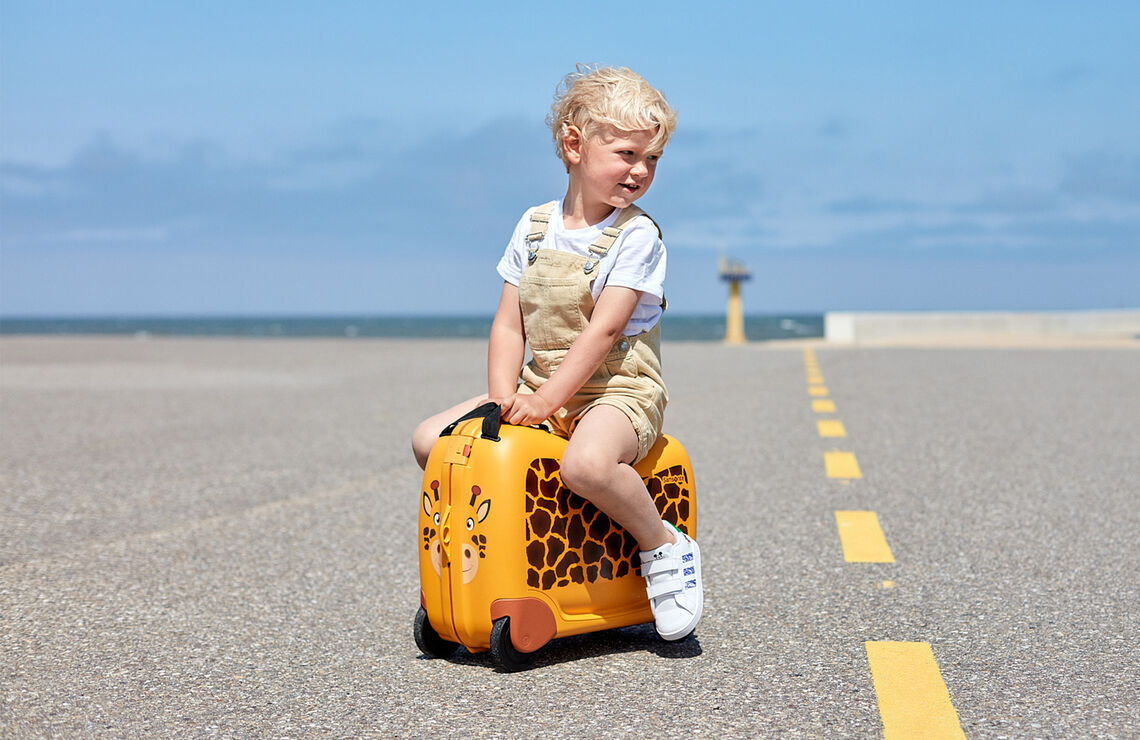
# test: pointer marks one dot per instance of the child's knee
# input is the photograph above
(583, 471)
(423, 439)
(575, 473)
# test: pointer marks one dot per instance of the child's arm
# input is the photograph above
(506, 347)
(611, 314)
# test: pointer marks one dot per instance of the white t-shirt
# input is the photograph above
(636, 260)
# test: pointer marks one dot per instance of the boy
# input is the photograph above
(584, 288)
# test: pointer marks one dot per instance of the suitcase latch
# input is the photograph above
(458, 450)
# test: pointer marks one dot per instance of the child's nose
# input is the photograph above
(640, 169)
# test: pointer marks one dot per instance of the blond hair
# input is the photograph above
(592, 97)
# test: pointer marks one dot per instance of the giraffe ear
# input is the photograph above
(427, 504)
(483, 510)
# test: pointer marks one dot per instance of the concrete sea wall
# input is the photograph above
(887, 326)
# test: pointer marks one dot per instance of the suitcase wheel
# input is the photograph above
(503, 652)
(429, 641)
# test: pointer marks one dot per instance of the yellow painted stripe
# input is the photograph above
(815, 379)
(817, 390)
(862, 538)
(841, 464)
(831, 428)
(913, 700)
(823, 406)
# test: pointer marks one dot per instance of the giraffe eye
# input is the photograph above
(470, 523)
(436, 518)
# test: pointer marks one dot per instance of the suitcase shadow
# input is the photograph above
(638, 638)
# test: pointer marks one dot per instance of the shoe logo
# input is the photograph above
(689, 571)
(691, 584)
(687, 558)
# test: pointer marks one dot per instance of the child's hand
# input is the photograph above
(525, 409)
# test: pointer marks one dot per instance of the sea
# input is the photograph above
(673, 327)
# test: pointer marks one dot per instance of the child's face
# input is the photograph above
(614, 167)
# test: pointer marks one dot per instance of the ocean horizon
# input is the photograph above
(760, 327)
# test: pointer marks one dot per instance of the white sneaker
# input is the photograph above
(672, 575)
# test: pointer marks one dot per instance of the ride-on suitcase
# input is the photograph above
(510, 558)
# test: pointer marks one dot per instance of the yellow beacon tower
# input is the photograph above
(734, 273)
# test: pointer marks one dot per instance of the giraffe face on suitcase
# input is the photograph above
(434, 524)
(475, 547)
(437, 530)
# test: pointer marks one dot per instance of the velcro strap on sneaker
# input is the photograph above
(664, 565)
(666, 587)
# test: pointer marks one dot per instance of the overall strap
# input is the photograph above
(540, 222)
(611, 233)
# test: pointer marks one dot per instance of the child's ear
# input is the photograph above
(572, 144)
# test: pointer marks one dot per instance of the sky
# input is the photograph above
(221, 158)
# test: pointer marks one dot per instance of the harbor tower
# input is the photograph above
(734, 273)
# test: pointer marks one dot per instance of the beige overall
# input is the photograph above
(554, 293)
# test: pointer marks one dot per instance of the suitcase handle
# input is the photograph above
(491, 415)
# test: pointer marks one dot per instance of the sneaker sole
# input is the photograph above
(692, 625)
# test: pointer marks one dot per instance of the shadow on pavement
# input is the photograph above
(642, 637)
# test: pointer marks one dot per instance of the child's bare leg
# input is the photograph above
(596, 466)
(425, 435)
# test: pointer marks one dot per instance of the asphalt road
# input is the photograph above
(218, 538)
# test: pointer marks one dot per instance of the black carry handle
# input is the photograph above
(491, 415)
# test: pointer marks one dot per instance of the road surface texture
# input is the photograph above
(218, 538)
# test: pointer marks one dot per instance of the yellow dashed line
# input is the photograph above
(831, 428)
(913, 700)
(862, 538)
(841, 465)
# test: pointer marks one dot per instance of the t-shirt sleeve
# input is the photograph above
(640, 260)
(514, 257)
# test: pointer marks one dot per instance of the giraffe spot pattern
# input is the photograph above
(570, 541)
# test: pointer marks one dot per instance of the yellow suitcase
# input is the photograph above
(510, 558)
